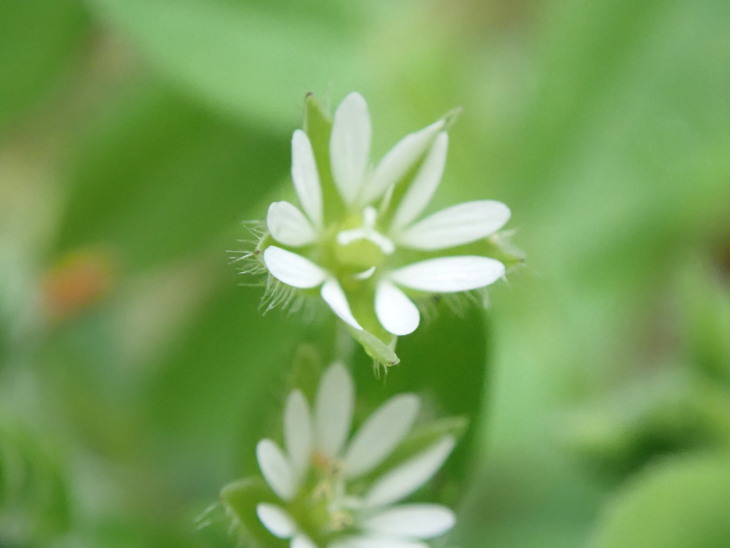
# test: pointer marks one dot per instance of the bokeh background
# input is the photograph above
(136, 135)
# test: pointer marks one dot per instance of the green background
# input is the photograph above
(136, 371)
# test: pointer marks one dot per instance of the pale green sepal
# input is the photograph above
(374, 347)
(318, 127)
(450, 117)
(240, 499)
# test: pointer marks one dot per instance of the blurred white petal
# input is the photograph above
(350, 145)
(424, 184)
(376, 542)
(302, 541)
(334, 296)
(298, 432)
(333, 410)
(276, 520)
(306, 177)
(289, 226)
(381, 434)
(276, 469)
(399, 160)
(409, 476)
(395, 311)
(293, 269)
(456, 225)
(449, 274)
(420, 521)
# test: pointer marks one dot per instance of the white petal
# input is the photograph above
(276, 469)
(396, 312)
(380, 434)
(334, 296)
(376, 542)
(306, 177)
(293, 269)
(298, 432)
(424, 184)
(399, 160)
(276, 520)
(420, 521)
(406, 478)
(350, 145)
(449, 274)
(302, 541)
(333, 410)
(456, 225)
(289, 226)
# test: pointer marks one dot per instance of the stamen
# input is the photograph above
(367, 232)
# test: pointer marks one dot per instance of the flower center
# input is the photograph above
(363, 246)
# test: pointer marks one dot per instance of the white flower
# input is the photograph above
(314, 475)
(353, 250)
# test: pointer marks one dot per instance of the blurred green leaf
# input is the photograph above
(221, 388)
(34, 495)
(681, 503)
(446, 361)
(254, 60)
(37, 41)
(706, 297)
(158, 177)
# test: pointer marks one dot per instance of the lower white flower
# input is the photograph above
(314, 475)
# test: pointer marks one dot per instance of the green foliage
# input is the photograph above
(252, 60)
(680, 503)
(38, 41)
(34, 498)
(138, 135)
(128, 193)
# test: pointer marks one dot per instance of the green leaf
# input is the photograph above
(34, 496)
(222, 387)
(38, 39)
(446, 361)
(682, 503)
(158, 177)
(318, 126)
(707, 302)
(255, 60)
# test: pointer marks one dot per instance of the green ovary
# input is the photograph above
(358, 256)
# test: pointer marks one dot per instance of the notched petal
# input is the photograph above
(333, 409)
(409, 476)
(298, 431)
(421, 521)
(424, 184)
(383, 431)
(276, 520)
(456, 225)
(293, 269)
(289, 226)
(306, 177)
(350, 146)
(449, 274)
(399, 160)
(335, 297)
(395, 311)
(276, 469)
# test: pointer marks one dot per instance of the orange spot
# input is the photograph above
(76, 282)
